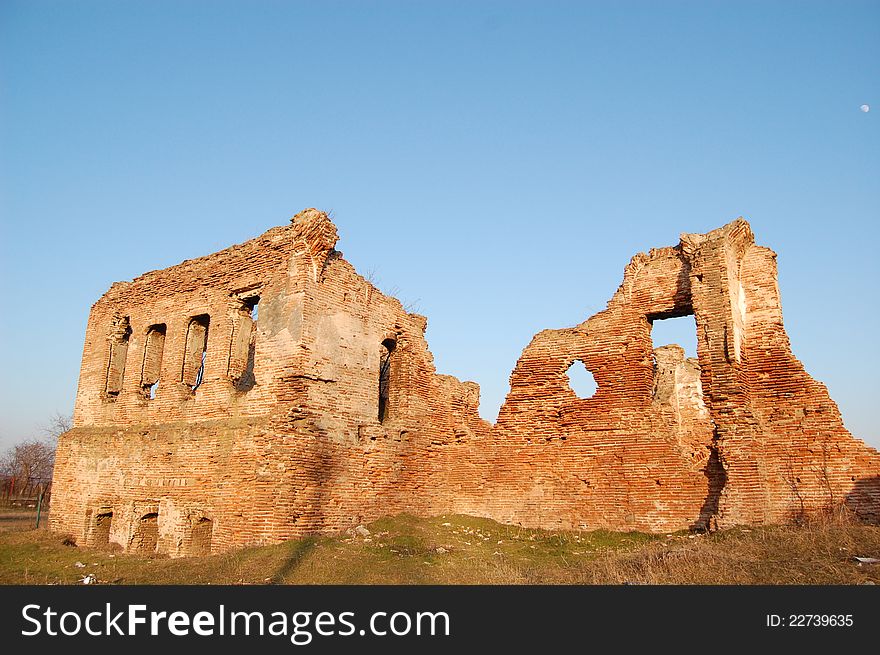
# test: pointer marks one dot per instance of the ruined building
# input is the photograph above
(269, 391)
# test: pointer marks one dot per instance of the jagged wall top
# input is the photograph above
(738, 231)
(319, 234)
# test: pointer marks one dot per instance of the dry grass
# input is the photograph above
(819, 552)
(15, 519)
(467, 550)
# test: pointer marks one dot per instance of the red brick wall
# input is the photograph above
(744, 435)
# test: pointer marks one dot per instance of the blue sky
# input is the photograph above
(494, 163)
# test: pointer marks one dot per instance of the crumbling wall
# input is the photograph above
(779, 435)
(175, 434)
(755, 440)
(351, 466)
(632, 456)
(277, 434)
(269, 391)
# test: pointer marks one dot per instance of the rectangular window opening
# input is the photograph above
(119, 337)
(674, 351)
(674, 331)
(386, 348)
(196, 351)
(244, 345)
(153, 351)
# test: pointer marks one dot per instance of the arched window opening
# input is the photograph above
(145, 537)
(202, 530)
(386, 349)
(101, 529)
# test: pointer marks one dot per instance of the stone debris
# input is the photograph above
(268, 391)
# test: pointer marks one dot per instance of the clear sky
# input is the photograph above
(494, 163)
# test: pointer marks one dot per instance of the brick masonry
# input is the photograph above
(234, 399)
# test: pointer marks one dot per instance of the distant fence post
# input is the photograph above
(39, 505)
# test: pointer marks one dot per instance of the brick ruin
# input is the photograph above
(268, 391)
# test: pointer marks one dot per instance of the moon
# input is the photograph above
(865, 108)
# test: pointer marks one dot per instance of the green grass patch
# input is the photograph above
(456, 549)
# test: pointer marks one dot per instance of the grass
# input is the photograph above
(458, 549)
(13, 519)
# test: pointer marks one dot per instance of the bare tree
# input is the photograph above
(58, 424)
(29, 463)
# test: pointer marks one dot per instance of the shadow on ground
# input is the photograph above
(299, 550)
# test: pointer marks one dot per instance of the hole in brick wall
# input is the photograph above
(196, 351)
(103, 523)
(202, 530)
(674, 353)
(385, 351)
(119, 337)
(153, 351)
(145, 536)
(580, 380)
(680, 331)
